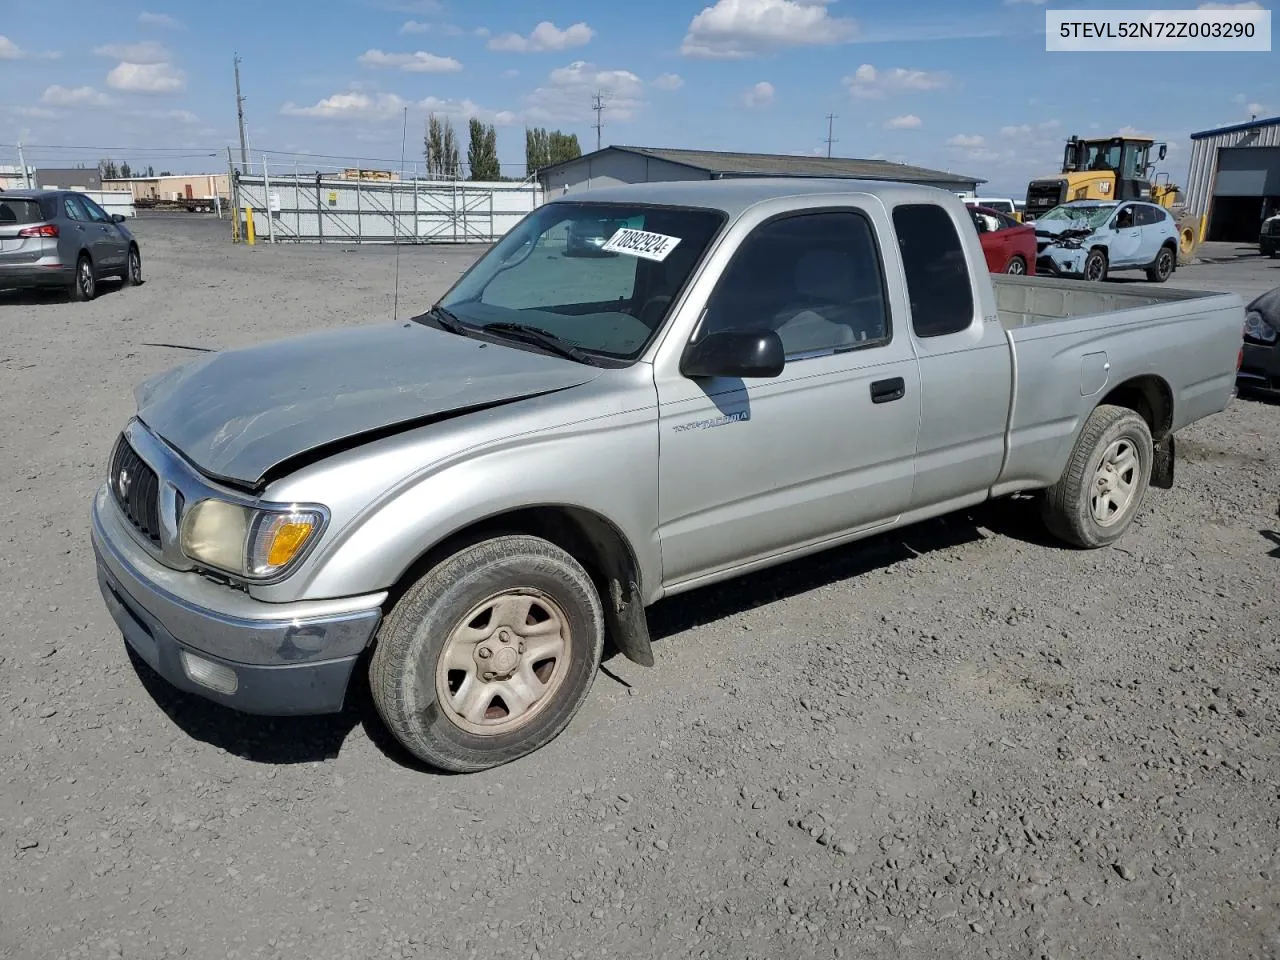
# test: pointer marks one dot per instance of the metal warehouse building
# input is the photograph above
(1234, 180)
(616, 165)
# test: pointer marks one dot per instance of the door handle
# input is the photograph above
(883, 391)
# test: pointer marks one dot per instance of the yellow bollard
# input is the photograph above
(248, 226)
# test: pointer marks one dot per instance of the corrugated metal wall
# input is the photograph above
(363, 211)
(1204, 160)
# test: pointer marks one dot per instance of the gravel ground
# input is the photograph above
(959, 741)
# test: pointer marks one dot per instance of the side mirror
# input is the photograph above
(118, 218)
(734, 353)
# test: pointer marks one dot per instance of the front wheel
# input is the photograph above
(1162, 269)
(133, 269)
(488, 657)
(1016, 266)
(1106, 479)
(1095, 266)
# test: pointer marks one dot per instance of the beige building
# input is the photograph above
(195, 186)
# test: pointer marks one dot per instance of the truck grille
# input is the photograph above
(137, 489)
(1043, 197)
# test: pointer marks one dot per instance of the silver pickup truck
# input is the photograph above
(741, 372)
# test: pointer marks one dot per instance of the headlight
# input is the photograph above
(1255, 328)
(256, 543)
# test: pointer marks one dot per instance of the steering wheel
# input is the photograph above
(654, 305)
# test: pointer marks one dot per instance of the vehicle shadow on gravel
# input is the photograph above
(291, 740)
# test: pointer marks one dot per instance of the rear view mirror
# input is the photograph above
(734, 353)
(1163, 150)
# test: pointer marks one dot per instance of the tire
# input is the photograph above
(1095, 266)
(1016, 265)
(472, 604)
(132, 275)
(84, 284)
(1070, 511)
(1162, 269)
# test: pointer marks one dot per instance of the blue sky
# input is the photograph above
(966, 88)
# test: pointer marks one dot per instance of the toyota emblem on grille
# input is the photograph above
(122, 483)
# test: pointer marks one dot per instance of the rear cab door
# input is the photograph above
(1154, 227)
(966, 362)
(759, 467)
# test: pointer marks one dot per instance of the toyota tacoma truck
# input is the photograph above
(462, 507)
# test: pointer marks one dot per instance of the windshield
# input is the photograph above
(1093, 214)
(1103, 156)
(599, 277)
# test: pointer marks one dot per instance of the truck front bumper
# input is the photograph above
(262, 658)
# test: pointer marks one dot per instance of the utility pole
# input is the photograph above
(598, 105)
(22, 162)
(831, 117)
(244, 150)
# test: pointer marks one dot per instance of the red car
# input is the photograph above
(1010, 246)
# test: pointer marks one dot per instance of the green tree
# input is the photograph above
(107, 170)
(151, 171)
(563, 146)
(482, 153)
(451, 167)
(433, 148)
(125, 170)
(543, 148)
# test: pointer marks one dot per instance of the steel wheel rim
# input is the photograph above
(504, 662)
(1164, 267)
(1115, 482)
(86, 278)
(1015, 266)
(1093, 270)
(135, 267)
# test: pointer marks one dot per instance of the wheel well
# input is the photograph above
(591, 539)
(1149, 397)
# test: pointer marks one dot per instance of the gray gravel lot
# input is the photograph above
(959, 741)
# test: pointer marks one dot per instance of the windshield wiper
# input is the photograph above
(447, 319)
(544, 338)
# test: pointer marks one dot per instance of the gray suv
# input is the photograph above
(62, 239)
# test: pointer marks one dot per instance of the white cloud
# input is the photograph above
(355, 105)
(545, 36)
(418, 62)
(1249, 5)
(1027, 130)
(667, 81)
(1029, 3)
(566, 95)
(11, 51)
(1255, 108)
(908, 121)
(1131, 132)
(868, 83)
(733, 29)
(60, 96)
(967, 140)
(36, 113)
(351, 105)
(158, 20)
(509, 73)
(759, 95)
(146, 51)
(147, 78)
(418, 26)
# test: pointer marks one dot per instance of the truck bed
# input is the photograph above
(1025, 301)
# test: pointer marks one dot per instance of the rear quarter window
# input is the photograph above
(937, 271)
(20, 210)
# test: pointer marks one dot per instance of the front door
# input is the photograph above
(752, 468)
(110, 246)
(1126, 241)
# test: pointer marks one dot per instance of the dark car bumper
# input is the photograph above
(259, 659)
(1268, 246)
(1260, 370)
(24, 276)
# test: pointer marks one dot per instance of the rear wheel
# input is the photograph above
(1016, 265)
(84, 285)
(488, 657)
(1106, 479)
(1162, 269)
(1095, 266)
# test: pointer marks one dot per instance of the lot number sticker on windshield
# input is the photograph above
(639, 243)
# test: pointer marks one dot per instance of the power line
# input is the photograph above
(244, 150)
(831, 118)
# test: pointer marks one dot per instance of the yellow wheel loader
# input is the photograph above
(1114, 168)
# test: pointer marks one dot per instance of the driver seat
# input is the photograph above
(818, 318)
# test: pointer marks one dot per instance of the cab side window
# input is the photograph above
(938, 281)
(96, 213)
(1125, 218)
(815, 279)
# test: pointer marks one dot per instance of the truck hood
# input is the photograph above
(1064, 228)
(237, 414)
